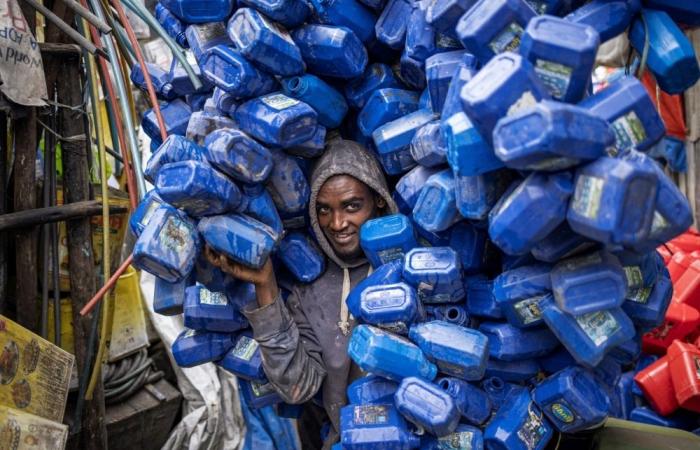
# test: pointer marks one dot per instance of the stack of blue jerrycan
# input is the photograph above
(510, 291)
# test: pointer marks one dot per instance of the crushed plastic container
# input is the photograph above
(473, 403)
(507, 343)
(684, 364)
(366, 427)
(435, 272)
(657, 386)
(159, 78)
(237, 155)
(436, 208)
(385, 105)
(144, 211)
(391, 25)
(301, 257)
(244, 360)
(464, 437)
(202, 37)
(329, 105)
(393, 307)
(518, 425)
(199, 11)
(347, 13)
(608, 18)
(389, 273)
(228, 70)
(211, 311)
(176, 115)
(171, 24)
(289, 190)
(377, 76)
(192, 348)
(287, 12)
(387, 238)
(241, 238)
(519, 293)
(168, 246)
(393, 141)
(169, 298)
(371, 389)
(427, 406)
(428, 147)
(388, 355)
(331, 51)
(258, 394)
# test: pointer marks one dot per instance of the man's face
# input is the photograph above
(343, 205)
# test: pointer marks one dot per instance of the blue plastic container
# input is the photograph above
(608, 18)
(647, 306)
(464, 437)
(376, 76)
(331, 51)
(518, 425)
(497, 390)
(551, 136)
(196, 101)
(387, 238)
(389, 273)
(265, 43)
(159, 77)
(420, 36)
(458, 351)
(563, 54)
(439, 71)
(453, 313)
(521, 371)
(491, 27)
(388, 355)
(412, 72)
(371, 389)
(427, 406)
(227, 69)
(202, 37)
(590, 336)
(278, 120)
(244, 360)
(312, 148)
(428, 147)
(508, 343)
(682, 11)
(444, 14)
(211, 311)
(144, 211)
(519, 293)
(468, 153)
(373, 426)
(289, 13)
(329, 105)
(547, 6)
(224, 102)
(464, 72)
(391, 25)
(347, 13)
(171, 24)
(572, 400)
(480, 299)
(258, 394)
(180, 81)
(589, 283)
(558, 360)
(476, 195)
(613, 201)
(192, 348)
(241, 238)
(628, 352)
(435, 272)
(199, 11)
(169, 298)
(528, 213)
(168, 246)
(261, 207)
(301, 257)
(473, 403)
(385, 105)
(640, 269)
(393, 140)
(470, 244)
(289, 190)
(561, 243)
(203, 123)
(436, 208)
(176, 115)
(237, 155)
(626, 105)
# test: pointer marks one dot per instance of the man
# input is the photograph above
(304, 343)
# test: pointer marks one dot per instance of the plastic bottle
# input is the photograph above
(277, 120)
(561, 243)
(435, 209)
(347, 13)
(491, 27)
(590, 283)
(289, 190)
(508, 343)
(391, 25)
(608, 18)
(202, 37)
(473, 404)
(227, 69)
(497, 390)
(680, 321)
(626, 105)
(237, 155)
(192, 348)
(301, 257)
(389, 273)
(244, 360)
(384, 106)
(613, 201)
(683, 360)
(211, 311)
(265, 43)
(464, 437)
(439, 70)
(657, 386)
(393, 140)
(180, 80)
(444, 14)
(388, 355)
(365, 427)
(241, 238)
(171, 24)
(387, 238)
(159, 77)
(428, 147)
(435, 272)
(176, 115)
(169, 298)
(457, 351)
(329, 105)
(371, 389)
(258, 394)
(518, 425)
(287, 12)
(480, 299)
(168, 246)
(427, 406)
(331, 51)
(199, 11)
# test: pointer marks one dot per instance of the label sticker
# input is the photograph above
(532, 431)
(562, 412)
(456, 441)
(384, 298)
(370, 414)
(260, 389)
(640, 295)
(556, 77)
(508, 40)
(529, 310)
(207, 297)
(629, 131)
(444, 41)
(245, 348)
(634, 276)
(390, 254)
(587, 196)
(525, 101)
(279, 101)
(176, 234)
(598, 326)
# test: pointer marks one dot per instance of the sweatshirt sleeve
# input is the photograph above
(290, 350)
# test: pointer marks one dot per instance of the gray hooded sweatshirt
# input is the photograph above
(303, 343)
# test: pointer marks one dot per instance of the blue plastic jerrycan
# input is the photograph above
(202, 37)
(180, 80)
(159, 78)
(470, 243)
(198, 189)
(626, 105)
(613, 201)
(192, 348)
(289, 190)
(682, 11)
(387, 274)
(391, 25)
(647, 306)
(473, 403)
(629, 351)
(522, 371)
(625, 397)
(245, 359)
(237, 155)
(561, 243)
(464, 72)
(169, 298)
(197, 101)
(199, 11)
(383, 353)
(436, 274)
(518, 425)
(476, 195)
(458, 351)
(376, 76)
(572, 400)
(264, 43)
(176, 115)
(241, 238)
(261, 207)
(468, 153)
(168, 245)
(508, 343)
(312, 148)
(171, 24)
(329, 104)
(519, 292)
(480, 299)
(225, 103)
(491, 27)
(211, 311)
(144, 211)
(331, 51)
(551, 136)
(589, 283)
(228, 70)
(393, 140)
(412, 72)
(557, 360)
(504, 86)
(385, 105)
(301, 257)
(277, 119)
(590, 336)
(563, 54)
(422, 39)
(464, 437)
(289, 13)
(428, 147)
(444, 14)
(350, 14)
(436, 208)
(427, 406)
(439, 71)
(258, 394)
(409, 187)
(497, 390)
(452, 313)
(373, 426)
(371, 389)
(641, 269)
(528, 213)
(242, 294)
(608, 18)
(387, 238)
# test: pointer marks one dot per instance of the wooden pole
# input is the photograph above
(53, 214)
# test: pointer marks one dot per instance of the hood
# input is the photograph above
(346, 158)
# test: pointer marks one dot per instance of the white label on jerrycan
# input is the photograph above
(370, 414)
(640, 295)
(598, 326)
(207, 297)
(587, 195)
(279, 101)
(461, 440)
(245, 348)
(629, 131)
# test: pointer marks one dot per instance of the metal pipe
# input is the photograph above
(89, 306)
(87, 15)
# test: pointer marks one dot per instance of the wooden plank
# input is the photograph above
(53, 214)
